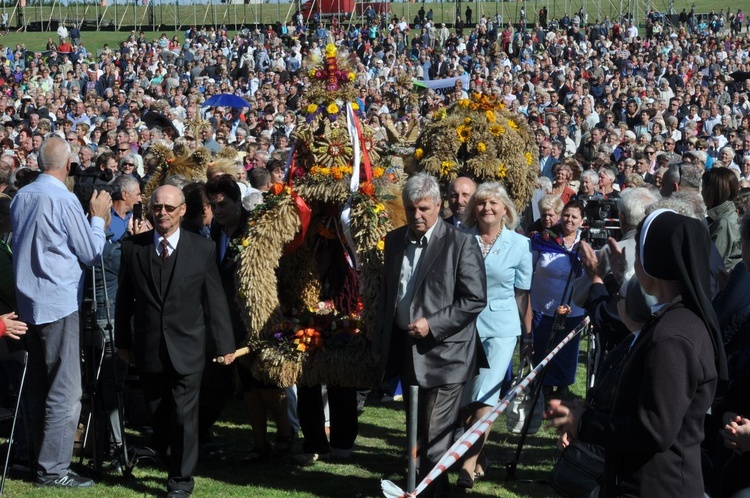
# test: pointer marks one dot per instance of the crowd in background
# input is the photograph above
(613, 109)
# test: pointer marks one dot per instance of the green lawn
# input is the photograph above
(168, 16)
(379, 453)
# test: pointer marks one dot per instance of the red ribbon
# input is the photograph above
(365, 154)
(303, 211)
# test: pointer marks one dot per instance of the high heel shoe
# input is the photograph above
(465, 479)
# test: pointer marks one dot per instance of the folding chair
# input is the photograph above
(14, 364)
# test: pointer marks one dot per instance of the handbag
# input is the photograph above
(578, 470)
(520, 407)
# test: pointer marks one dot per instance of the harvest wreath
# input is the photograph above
(311, 256)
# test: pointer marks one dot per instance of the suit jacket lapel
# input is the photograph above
(394, 261)
(434, 247)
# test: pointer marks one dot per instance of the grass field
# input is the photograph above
(379, 454)
(170, 16)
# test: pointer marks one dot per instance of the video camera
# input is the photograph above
(602, 221)
(87, 182)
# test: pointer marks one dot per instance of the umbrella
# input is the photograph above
(153, 119)
(226, 100)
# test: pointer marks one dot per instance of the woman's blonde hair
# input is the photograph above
(491, 190)
(552, 202)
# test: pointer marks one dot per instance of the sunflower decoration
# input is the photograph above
(310, 322)
(477, 137)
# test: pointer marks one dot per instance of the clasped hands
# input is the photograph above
(736, 432)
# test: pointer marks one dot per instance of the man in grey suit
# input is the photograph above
(433, 289)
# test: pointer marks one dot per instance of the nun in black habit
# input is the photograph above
(653, 433)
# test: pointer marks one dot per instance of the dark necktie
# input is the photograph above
(164, 249)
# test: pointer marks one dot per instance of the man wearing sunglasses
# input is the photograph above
(170, 287)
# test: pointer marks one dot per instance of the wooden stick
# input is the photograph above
(240, 352)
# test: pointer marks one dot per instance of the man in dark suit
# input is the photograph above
(459, 192)
(431, 294)
(170, 288)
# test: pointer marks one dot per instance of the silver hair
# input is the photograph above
(633, 203)
(608, 172)
(545, 184)
(730, 150)
(51, 157)
(178, 181)
(685, 203)
(685, 175)
(127, 183)
(421, 186)
(593, 178)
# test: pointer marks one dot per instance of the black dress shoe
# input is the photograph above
(178, 493)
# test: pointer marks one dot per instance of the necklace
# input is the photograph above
(486, 248)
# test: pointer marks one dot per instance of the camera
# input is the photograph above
(86, 182)
(602, 221)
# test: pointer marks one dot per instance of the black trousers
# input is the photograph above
(342, 406)
(217, 387)
(437, 412)
(173, 400)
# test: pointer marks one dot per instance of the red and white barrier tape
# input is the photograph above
(481, 426)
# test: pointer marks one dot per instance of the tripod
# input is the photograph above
(98, 351)
(561, 314)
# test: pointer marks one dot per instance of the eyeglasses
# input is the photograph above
(129, 164)
(164, 207)
(123, 150)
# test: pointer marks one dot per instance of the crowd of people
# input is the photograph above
(650, 120)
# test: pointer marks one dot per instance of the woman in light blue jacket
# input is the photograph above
(507, 260)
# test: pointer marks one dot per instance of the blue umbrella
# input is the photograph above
(226, 100)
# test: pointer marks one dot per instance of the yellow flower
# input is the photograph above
(446, 168)
(336, 173)
(497, 130)
(476, 96)
(501, 171)
(512, 124)
(464, 132)
(463, 102)
(379, 208)
(529, 158)
(377, 171)
(355, 106)
(440, 115)
(418, 154)
(490, 116)
(314, 170)
(351, 76)
(245, 242)
(330, 50)
(311, 73)
(380, 245)
(325, 171)
(333, 108)
(312, 108)
(481, 148)
(467, 120)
